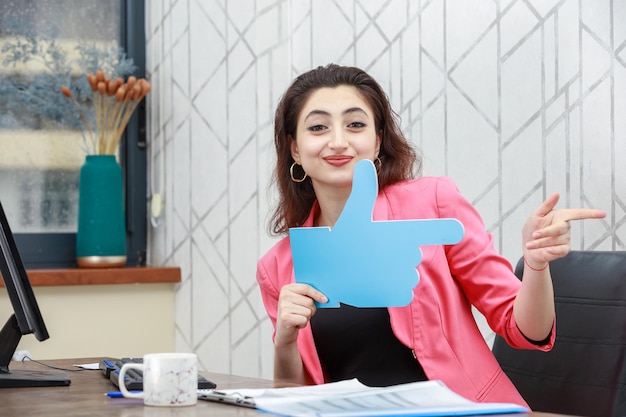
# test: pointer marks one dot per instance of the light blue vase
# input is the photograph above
(101, 235)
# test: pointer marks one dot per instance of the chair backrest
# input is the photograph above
(585, 373)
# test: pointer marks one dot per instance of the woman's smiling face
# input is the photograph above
(336, 128)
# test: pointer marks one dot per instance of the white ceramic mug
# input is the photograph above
(169, 379)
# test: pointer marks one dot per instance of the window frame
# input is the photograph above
(58, 250)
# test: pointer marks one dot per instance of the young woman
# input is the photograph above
(327, 120)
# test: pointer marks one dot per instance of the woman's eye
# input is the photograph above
(316, 128)
(357, 125)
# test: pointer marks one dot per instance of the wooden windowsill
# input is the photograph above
(104, 276)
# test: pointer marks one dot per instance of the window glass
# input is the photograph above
(40, 135)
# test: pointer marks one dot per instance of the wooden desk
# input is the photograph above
(85, 397)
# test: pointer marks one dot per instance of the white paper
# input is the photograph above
(283, 395)
(90, 366)
(351, 398)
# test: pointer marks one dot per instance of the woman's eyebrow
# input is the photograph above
(345, 112)
(354, 110)
(316, 113)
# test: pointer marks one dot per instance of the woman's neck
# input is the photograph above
(331, 205)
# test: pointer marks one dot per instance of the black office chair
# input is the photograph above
(585, 373)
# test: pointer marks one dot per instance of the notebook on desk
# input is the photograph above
(134, 379)
(351, 398)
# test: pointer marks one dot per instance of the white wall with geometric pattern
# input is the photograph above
(513, 99)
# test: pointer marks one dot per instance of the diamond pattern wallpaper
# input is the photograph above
(512, 99)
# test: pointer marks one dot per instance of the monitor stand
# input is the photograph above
(28, 378)
(10, 336)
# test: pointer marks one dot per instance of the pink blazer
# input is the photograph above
(438, 325)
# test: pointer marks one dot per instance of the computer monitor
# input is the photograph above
(26, 317)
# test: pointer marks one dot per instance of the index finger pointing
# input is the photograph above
(580, 214)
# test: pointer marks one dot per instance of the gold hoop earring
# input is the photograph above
(291, 173)
(378, 164)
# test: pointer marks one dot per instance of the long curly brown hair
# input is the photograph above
(399, 160)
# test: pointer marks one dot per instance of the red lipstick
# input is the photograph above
(338, 160)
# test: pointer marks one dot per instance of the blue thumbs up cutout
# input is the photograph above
(366, 263)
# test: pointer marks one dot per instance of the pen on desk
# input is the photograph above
(117, 394)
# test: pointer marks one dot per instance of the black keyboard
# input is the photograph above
(134, 379)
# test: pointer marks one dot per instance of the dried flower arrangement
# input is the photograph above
(32, 98)
(114, 103)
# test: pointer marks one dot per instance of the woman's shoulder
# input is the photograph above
(427, 184)
(277, 254)
(423, 197)
(278, 247)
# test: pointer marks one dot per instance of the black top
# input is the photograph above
(359, 343)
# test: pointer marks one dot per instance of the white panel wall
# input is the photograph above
(512, 99)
